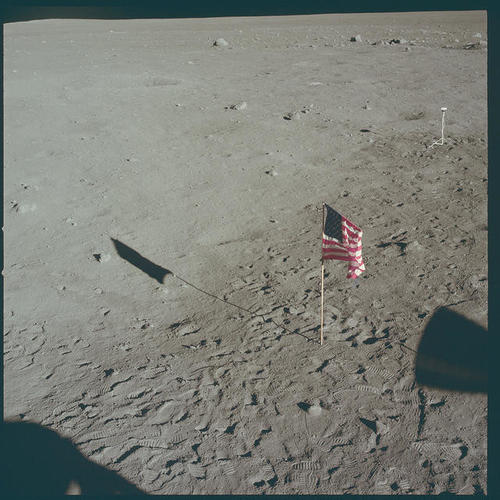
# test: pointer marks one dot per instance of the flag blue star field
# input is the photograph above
(342, 241)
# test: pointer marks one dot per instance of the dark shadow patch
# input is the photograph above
(41, 463)
(323, 366)
(121, 458)
(402, 246)
(272, 482)
(453, 353)
(136, 259)
(304, 406)
(371, 424)
(230, 429)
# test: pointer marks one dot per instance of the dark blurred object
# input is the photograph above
(453, 353)
(37, 461)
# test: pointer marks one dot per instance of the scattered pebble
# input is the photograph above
(272, 172)
(22, 208)
(102, 257)
(71, 221)
(356, 38)
(415, 245)
(478, 35)
(295, 115)
(314, 411)
(220, 42)
(239, 107)
(472, 45)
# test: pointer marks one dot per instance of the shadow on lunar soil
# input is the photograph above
(37, 461)
(453, 353)
(158, 273)
(136, 259)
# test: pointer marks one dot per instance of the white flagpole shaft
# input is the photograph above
(322, 274)
(322, 294)
(442, 128)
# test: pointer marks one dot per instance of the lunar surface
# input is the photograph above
(164, 183)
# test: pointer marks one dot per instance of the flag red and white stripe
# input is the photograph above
(342, 241)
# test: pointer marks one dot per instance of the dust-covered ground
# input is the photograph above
(145, 132)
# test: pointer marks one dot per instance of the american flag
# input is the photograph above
(342, 241)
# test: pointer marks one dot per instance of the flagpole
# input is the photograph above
(322, 274)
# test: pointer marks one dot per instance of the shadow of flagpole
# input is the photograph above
(159, 273)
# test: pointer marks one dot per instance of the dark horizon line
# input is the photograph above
(32, 11)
